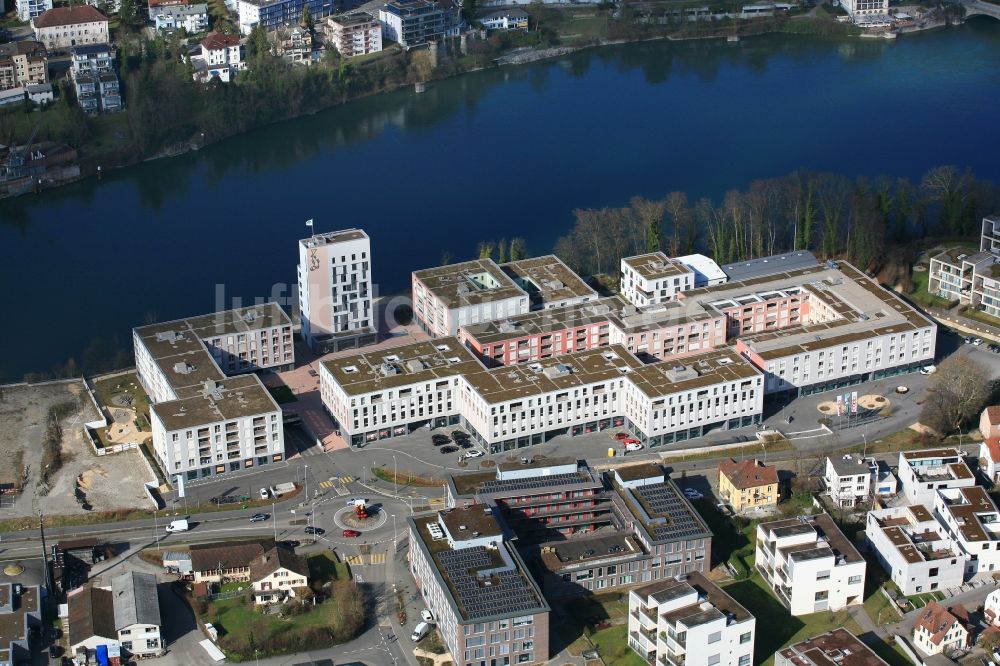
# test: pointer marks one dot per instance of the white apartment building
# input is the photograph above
(972, 278)
(486, 606)
(991, 608)
(354, 34)
(471, 292)
(973, 521)
(29, 9)
(809, 564)
(852, 330)
(923, 473)
(383, 394)
(915, 549)
(335, 290)
(989, 458)
(651, 279)
(848, 480)
(690, 622)
(204, 422)
(673, 402)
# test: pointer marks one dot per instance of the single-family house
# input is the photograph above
(989, 458)
(748, 484)
(940, 630)
(277, 574)
(848, 480)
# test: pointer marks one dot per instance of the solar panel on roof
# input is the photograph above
(507, 485)
(664, 500)
(508, 592)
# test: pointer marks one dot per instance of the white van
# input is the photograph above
(178, 526)
(420, 631)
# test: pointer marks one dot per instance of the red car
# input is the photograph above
(620, 436)
(352, 533)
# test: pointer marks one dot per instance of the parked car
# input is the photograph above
(691, 493)
(420, 631)
(440, 440)
(448, 449)
(426, 615)
(633, 445)
(318, 531)
(313, 373)
(289, 543)
(621, 436)
(977, 342)
(264, 493)
(475, 453)
(928, 370)
(258, 517)
(350, 534)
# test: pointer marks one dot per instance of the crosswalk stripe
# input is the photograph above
(378, 558)
(355, 560)
(326, 484)
(433, 501)
(346, 479)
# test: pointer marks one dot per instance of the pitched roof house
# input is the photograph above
(276, 574)
(127, 615)
(222, 562)
(748, 484)
(939, 629)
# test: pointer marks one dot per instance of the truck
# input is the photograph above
(178, 526)
(282, 489)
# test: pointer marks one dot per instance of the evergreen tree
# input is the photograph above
(307, 18)
(502, 251)
(128, 13)
(518, 249)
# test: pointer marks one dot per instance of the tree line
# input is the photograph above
(869, 222)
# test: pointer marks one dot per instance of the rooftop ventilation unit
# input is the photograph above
(388, 369)
(167, 336)
(250, 316)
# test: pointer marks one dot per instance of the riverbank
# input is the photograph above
(115, 157)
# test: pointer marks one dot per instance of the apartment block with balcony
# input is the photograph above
(915, 549)
(848, 480)
(809, 564)
(93, 73)
(414, 22)
(922, 473)
(969, 277)
(354, 34)
(973, 522)
(689, 621)
(29, 9)
(205, 420)
(652, 279)
(336, 291)
(23, 64)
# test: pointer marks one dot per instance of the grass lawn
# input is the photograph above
(282, 394)
(238, 616)
(778, 629)
(877, 605)
(978, 315)
(580, 616)
(612, 644)
(324, 567)
(404, 478)
(890, 653)
(728, 541)
(108, 388)
(920, 294)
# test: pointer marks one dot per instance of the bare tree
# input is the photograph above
(958, 392)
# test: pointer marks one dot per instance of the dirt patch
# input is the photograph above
(104, 483)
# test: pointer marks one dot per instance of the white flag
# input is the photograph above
(309, 222)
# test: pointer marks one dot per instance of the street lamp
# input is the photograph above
(395, 475)
(156, 530)
(305, 476)
(274, 520)
(394, 532)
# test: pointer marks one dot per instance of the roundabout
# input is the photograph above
(347, 518)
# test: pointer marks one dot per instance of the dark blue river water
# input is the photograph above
(496, 153)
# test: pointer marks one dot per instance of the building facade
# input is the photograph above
(23, 64)
(354, 34)
(923, 473)
(95, 79)
(274, 13)
(973, 522)
(689, 622)
(652, 279)
(809, 564)
(66, 27)
(858, 8)
(206, 420)
(915, 549)
(487, 607)
(510, 19)
(192, 18)
(747, 485)
(969, 277)
(848, 481)
(940, 630)
(27, 10)
(335, 290)
(413, 22)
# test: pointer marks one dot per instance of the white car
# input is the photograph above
(633, 446)
(691, 493)
(264, 493)
(474, 453)
(420, 631)
(928, 370)
(426, 615)
(977, 342)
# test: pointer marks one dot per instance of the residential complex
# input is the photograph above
(748, 484)
(915, 549)
(27, 10)
(335, 290)
(848, 480)
(354, 34)
(839, 647)
(689, 622)
(23, 64)
(95, 80)
(923, 473)
(206, 421)
(374, 395)
(652, 279)
(487, 607)
(414, 22)
(66, 27)
(969, 277)
(809, 564)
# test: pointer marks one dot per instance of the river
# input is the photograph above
(502, 152)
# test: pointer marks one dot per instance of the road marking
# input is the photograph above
(346, 479)
(326, 484)
(356, 560)
(435, 501)
(378, 558)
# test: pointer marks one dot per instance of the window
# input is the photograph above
(745, 660)
(714, 659)
(854, 580)
(745, 638)
(715, 637)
